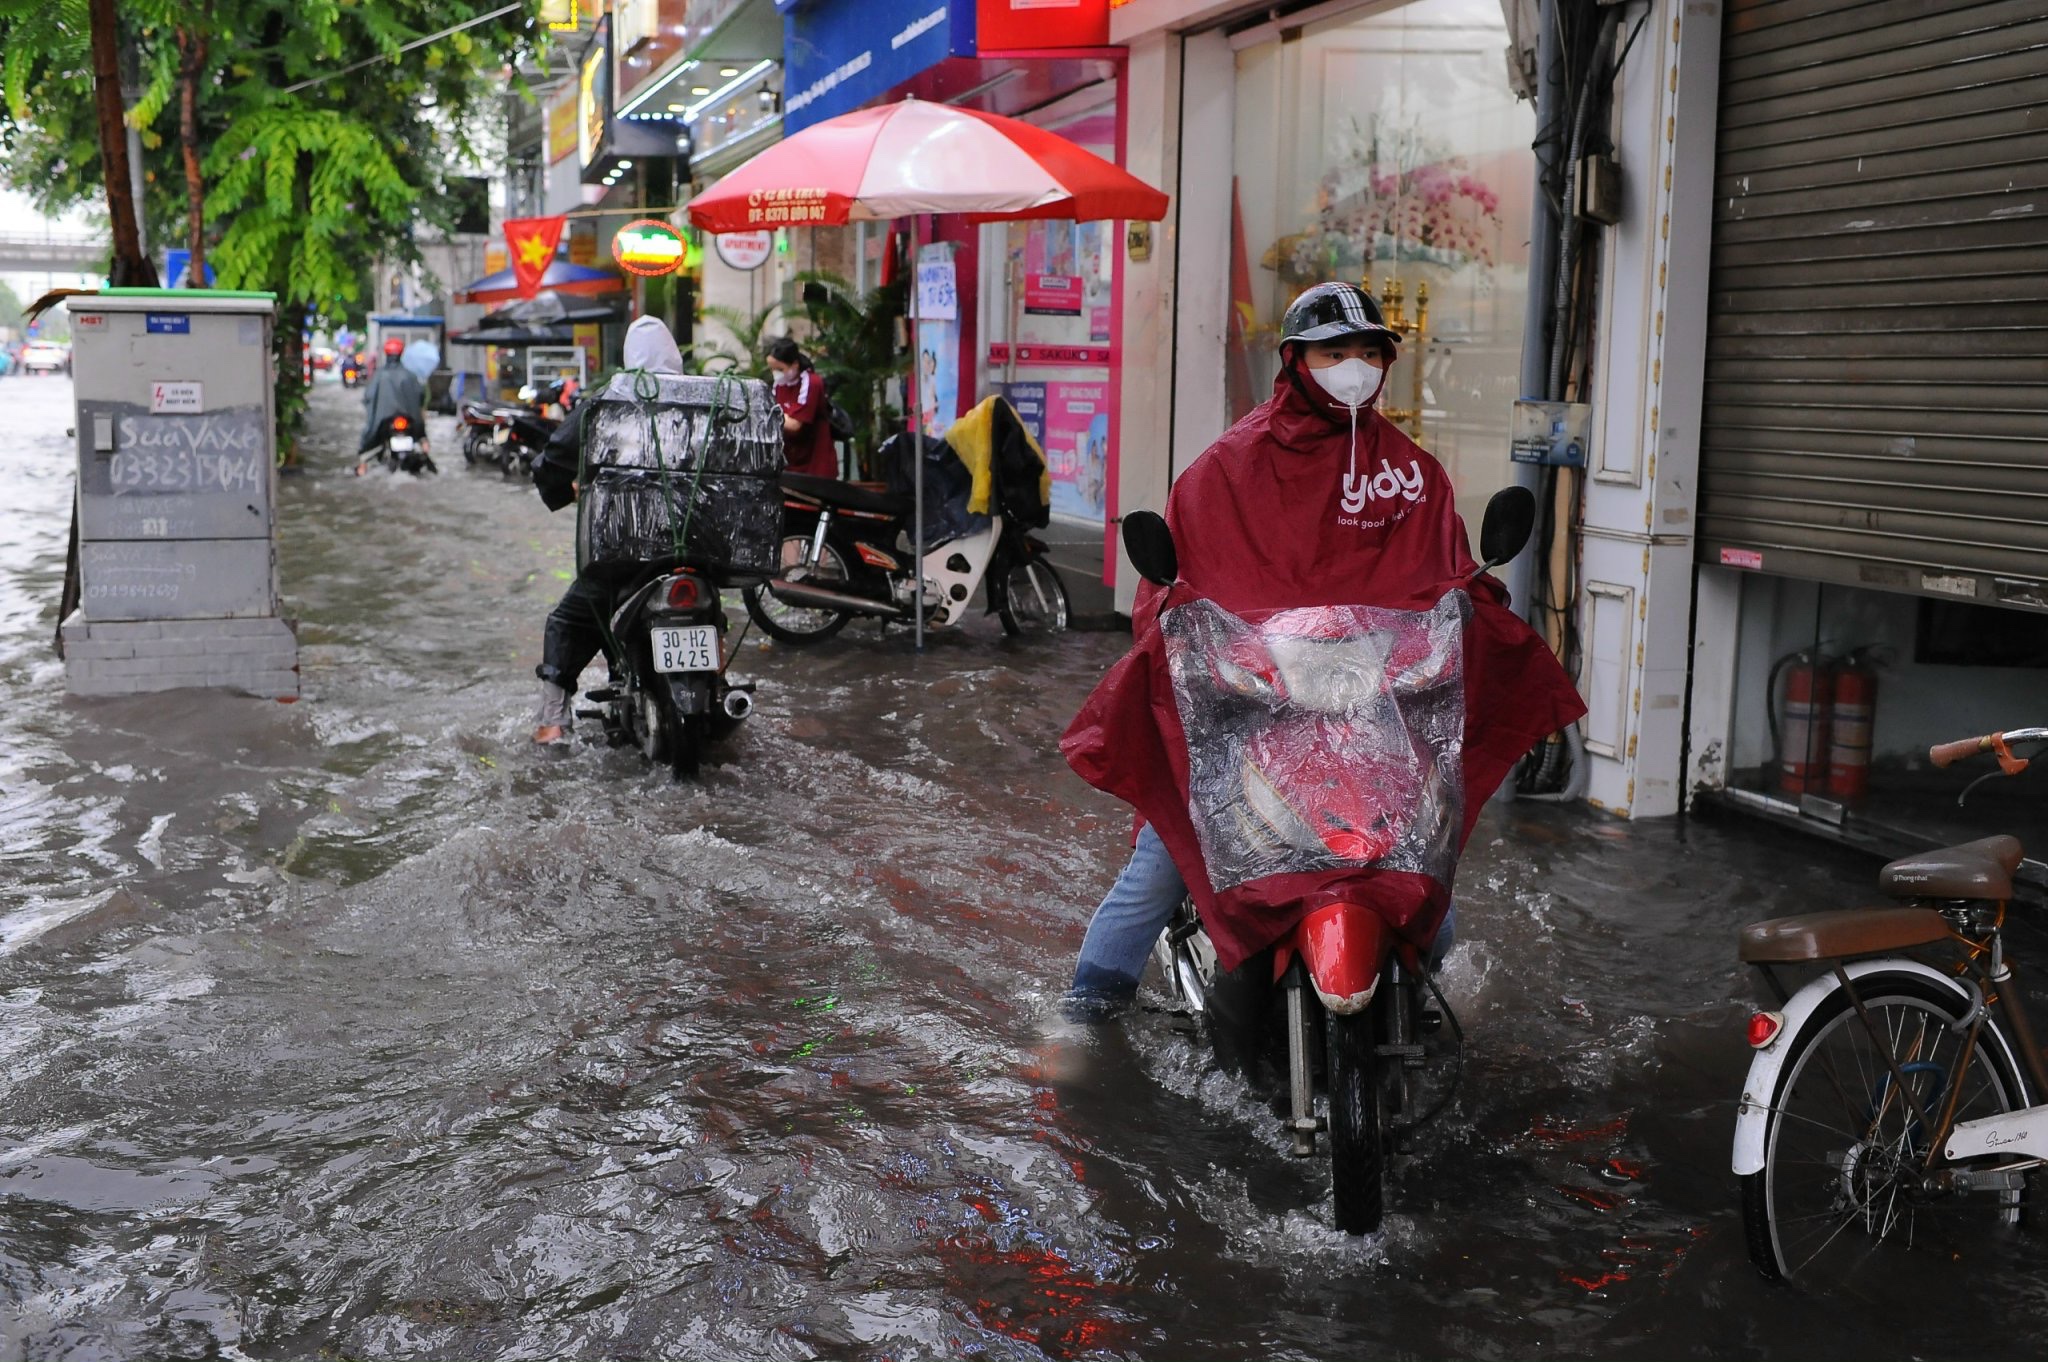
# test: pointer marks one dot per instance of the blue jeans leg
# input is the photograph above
(1133, 914)
(1446, 937)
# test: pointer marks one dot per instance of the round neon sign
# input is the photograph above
(649, 247)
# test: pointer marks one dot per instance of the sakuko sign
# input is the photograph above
(648, 247)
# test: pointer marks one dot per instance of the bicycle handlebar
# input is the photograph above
(1949, 753)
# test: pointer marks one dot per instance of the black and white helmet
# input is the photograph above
(1334, 310)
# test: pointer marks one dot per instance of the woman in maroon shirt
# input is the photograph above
(806, 412)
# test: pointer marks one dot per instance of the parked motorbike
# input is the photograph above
(844, 555)
(1312, 749)
(668, 694)
(510, 434)
(400, 445)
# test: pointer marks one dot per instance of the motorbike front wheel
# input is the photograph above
(800, 624)
(1032, 599)
(1357, 1124)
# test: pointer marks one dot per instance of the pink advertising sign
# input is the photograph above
(1053, 295)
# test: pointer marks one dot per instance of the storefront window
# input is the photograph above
(1388, 150)
(1052, 295)
(1840, 691)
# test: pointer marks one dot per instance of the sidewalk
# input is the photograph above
(1077, 553)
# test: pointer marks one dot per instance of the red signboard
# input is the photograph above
(1021, 25)
(1052, 295)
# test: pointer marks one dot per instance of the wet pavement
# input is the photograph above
(357, 1028)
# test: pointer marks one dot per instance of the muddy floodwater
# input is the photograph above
(357, 1028)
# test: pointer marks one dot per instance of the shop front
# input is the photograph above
(1874, 459)
(1034, 307)
(1372, 143)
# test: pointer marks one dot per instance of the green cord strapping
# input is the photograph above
(646, 388)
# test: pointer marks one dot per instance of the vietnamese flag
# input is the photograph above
(532, 242)
(1239, 392)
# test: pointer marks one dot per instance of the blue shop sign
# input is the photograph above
(841, 54)
(167, 323)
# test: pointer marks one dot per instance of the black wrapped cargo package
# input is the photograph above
(680, 468)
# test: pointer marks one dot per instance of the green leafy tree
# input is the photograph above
(749, 329)
(314, 137)
(853, 342)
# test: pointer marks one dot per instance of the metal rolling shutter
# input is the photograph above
(1877, 346)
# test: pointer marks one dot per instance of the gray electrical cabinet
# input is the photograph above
(177, 483)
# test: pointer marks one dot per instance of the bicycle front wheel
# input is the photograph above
(1845, 1180)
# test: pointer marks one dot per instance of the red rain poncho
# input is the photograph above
(1265, 521)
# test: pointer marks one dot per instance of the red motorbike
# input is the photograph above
(1323, 740)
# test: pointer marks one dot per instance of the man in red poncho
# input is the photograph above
(1314, 498)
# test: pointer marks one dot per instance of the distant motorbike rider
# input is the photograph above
(575, 627)
(806, 411)
(1313, 499)
(395, 390)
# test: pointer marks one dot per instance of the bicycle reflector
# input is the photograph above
(1764, 1028)
(684, 592)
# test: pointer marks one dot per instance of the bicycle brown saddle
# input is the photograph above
(1974, 870)
(1840, 934)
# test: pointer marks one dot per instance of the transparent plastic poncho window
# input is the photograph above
(1322, 739)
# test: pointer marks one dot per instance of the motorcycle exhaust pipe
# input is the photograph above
(738, 704)
(818, 598)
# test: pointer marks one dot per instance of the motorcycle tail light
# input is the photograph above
(401, 423)
(1764, 1028)
(684, 592)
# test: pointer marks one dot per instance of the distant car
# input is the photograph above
(323, 358)
(46, 357)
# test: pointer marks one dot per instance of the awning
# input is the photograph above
(546, 308)
(561, 277)
(513, 337)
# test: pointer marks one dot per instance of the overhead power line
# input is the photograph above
(497, 13)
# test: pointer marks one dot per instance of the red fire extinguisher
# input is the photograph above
(1850, 726)
(1803, 731)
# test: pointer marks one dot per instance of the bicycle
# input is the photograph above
(1892, 1101)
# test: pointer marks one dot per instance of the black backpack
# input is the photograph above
(842, 424)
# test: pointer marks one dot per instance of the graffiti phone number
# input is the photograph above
(182, 470)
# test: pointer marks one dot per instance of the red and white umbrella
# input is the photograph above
(912, 158)
(898, 160)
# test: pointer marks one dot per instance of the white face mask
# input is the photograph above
(1352, 382)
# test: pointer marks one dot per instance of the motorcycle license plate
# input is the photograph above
(502, 435)
(401, 443)
(691, 649)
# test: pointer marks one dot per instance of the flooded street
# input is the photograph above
(356, 1027)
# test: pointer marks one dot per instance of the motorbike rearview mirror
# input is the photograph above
(1150, 544)
(1510, 519)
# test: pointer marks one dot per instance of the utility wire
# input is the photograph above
(497, 13)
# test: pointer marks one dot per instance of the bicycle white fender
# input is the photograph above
(1762, 1083)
